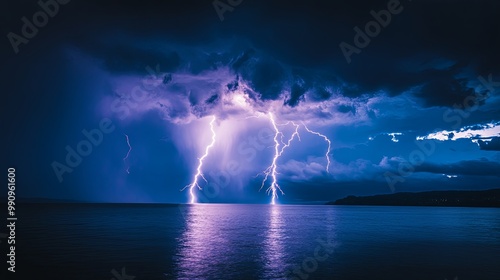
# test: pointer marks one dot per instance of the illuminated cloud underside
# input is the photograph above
(485, 133)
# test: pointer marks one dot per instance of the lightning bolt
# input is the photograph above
(271, 171)
(329, 145)
(199, 174)
(294, 134)
(128, 153)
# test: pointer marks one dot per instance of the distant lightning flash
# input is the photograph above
(200, 164)
(128, 153)
(329, 145)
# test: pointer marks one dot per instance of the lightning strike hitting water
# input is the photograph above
(271, 170)
(128, 153)
(200, 164)
(329, 145)
(270, 173)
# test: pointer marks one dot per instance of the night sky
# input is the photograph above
(415, 106)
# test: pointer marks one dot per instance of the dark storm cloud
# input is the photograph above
(266, 76)
(125, 60)
(434, 55)
(441, 88)
(346, 109)
(296, 95)
(212, 99)
(303, 81)
(242, 59)
(481, 167)
(433, 51)
(403, 56)
(444, 92)
(492, 145)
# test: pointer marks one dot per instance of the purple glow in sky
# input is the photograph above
(199, 172)
(167, 73)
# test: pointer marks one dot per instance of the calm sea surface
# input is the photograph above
(228, 241)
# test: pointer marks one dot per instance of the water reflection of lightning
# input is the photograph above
(128, 153)
(199, 174)
(329, 145)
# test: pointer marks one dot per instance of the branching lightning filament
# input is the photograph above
(128, 153)
(199, 173)
(272, 169)
(329, 146)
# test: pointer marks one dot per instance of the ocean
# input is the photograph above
(252, 241)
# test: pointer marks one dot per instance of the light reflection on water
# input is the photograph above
(274, 253)
(255, 241)
(230, 241)
(213, 243)
(203, 243)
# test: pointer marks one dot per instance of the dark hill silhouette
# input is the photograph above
(488, 198)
